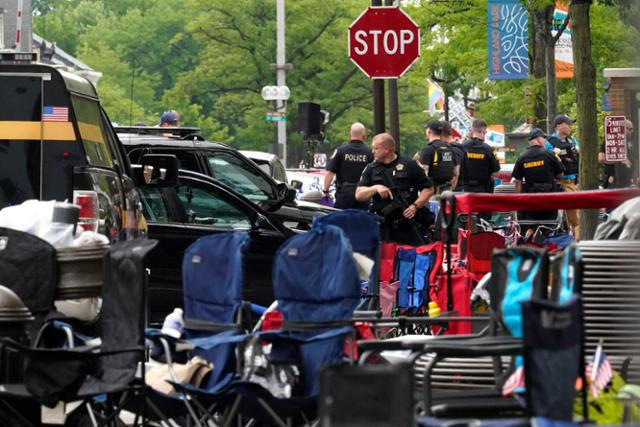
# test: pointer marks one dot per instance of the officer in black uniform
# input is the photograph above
(481, 164)
(347, 164)
(437, 158)
(399, 190)
(458, 152)
(539, 169)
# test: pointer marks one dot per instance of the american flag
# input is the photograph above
(601, 374)
(515, 383)
(55, 114)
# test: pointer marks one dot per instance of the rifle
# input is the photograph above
(399, 202)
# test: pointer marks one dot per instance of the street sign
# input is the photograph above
(384, 42)
(276, 116)
(615, 138)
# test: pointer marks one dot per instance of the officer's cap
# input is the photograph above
(536, 133)
(435, 126)
(561, 118)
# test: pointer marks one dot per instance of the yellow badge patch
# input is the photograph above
(399, 166)
(535, 164)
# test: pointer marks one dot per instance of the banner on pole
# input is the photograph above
(436, 98)
(563, 48)
(508, 40)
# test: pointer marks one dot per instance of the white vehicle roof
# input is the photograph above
(258, 155)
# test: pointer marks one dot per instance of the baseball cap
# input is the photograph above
(536, 133)
(561, 118)
(169, 117)
(435, 126)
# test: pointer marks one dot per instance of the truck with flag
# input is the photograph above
(57, 143)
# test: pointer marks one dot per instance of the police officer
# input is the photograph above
(438, 160)
(539, 168)
(481, 164)
(399, 189)
(566, 148)
(458, 152)
(347, 164)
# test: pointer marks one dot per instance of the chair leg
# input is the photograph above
(272, 414)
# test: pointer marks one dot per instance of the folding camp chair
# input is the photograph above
(84, 372)
(213, 282)
(362, 228)
(480, 247)
(317, 288)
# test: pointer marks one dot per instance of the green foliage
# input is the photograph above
(210, 59)
(606, 408)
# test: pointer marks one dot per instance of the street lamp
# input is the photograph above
(278, 96)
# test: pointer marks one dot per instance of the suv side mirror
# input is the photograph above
(296, 184)
(157, 170)
(286, 192)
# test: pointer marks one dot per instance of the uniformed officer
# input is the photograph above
(399, 189)
(438, 160)
(481, 164)
(566, 148)
(347, 164)
(539, 169)
(458, 152)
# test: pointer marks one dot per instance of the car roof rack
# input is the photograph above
(174, 132)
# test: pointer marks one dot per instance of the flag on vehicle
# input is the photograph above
(55, 114)
(599, 371)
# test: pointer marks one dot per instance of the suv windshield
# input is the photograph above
(235, 173)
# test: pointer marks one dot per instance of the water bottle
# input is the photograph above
(173, 324)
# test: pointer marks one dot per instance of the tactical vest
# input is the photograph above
(535, 168)
(568, 155)
(443, 163)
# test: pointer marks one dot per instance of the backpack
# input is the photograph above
(443, 163)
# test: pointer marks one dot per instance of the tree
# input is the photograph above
(585, 77)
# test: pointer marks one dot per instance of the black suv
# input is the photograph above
(226, 165)
(56, 142)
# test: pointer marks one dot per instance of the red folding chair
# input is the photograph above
(480, 246)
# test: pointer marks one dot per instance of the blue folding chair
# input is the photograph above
(317, 288)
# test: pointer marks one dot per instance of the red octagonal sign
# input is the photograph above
(384, 42)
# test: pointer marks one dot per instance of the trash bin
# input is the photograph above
(80, 272)
(14, 321)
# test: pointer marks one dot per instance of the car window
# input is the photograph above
(92, 131)
(208, 206)
(238, 175)
(279, 174)
(186, 159)
(154, 205)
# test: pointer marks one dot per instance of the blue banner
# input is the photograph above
(508, 40)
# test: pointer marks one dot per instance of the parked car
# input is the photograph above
(200, 205)
(226, 165)
(57, 143)
(308, 180)
(268, 162)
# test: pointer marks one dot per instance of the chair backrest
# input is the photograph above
(517, 274)
(28, 267)
(315, 280)
(122, 315)
(378, 395)
(213, 278)
(566, 274)
(362, 228)
(315, 277)
(480, 247)
(552, 356)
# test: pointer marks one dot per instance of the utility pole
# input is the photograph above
(378, 97)
(281, 79)
(394, 114)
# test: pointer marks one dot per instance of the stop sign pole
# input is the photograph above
(384, 42)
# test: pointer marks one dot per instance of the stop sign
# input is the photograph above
(384, 42)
